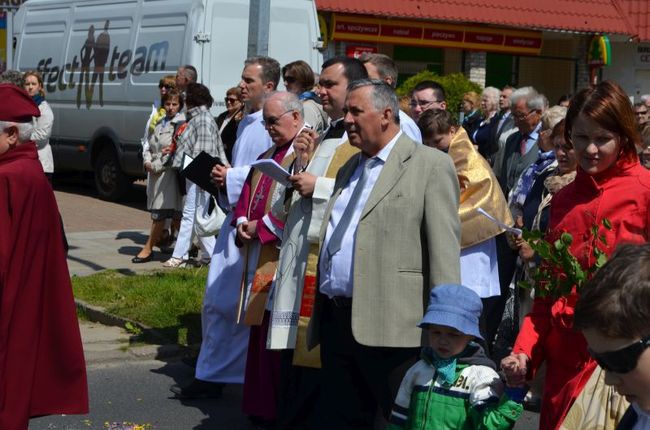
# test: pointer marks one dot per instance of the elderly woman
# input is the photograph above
(228, 121)
(42, 126)
(471, 112)
(483, 136)
(610, 185)
(200, 134)
(478, 188)
(163, 195)
(299, 79)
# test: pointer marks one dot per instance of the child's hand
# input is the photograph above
(515, 368)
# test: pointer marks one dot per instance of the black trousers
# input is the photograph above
(299, 395)
(356, 379)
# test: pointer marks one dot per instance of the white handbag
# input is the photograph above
(208, 218)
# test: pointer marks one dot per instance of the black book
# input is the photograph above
(198, 171)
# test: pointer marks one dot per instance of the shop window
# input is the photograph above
(499, 70)
(411, 60)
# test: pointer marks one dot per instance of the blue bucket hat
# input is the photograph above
(454, 306)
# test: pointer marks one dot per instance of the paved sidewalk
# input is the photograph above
(93, 251)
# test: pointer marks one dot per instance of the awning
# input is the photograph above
(629, 17)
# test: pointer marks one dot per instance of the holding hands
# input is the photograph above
(515, 368)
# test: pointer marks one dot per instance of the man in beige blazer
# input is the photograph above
(391, 232)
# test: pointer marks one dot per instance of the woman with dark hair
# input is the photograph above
(33, 84)
(199, 134)
(299, 80)
(228, 121)
(610, 185)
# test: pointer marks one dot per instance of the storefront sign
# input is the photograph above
(600, 51)
(357, 51)
(642, 59)
(357, 28)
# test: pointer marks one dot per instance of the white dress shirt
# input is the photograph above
(408, 126)
(336, 270)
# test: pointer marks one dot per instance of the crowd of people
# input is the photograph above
(365, 288)
(318, 288)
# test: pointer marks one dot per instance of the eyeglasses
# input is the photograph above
(231, 100)
(165, 86)
(622, 360)
(273, 120)
(423, 103)
(289, 79)
(523, 115)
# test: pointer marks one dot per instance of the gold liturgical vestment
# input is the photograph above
(479, 188)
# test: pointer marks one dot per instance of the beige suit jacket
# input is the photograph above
(407, 240)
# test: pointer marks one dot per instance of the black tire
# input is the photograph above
(110, 181)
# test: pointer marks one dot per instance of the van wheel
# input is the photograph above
(110, 180)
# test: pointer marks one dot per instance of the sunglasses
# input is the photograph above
(166, 86)
(231, 100)
(272, 120)
(289, 79)
(622, 360)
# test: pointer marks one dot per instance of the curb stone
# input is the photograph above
(165, 350)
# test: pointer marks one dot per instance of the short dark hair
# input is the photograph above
(353, 69)
(302, 73)
(616, 301)
(198, 95)
(171, 94)
(270, 68)
(436, 121)
(385, 65)
(438, 90)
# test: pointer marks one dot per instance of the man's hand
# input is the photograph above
(304, 146)
(304, 183)
(218, 175)
(247, 231)
(167, 150)
(148, 167)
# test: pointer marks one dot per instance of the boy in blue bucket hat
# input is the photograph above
(454, 385)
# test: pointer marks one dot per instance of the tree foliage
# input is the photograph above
(455, 85)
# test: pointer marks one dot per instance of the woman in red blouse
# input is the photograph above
(610, 184)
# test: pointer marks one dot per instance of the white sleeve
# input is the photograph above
(235, 179)
(43, 126)
(485, 385)
(322, 192)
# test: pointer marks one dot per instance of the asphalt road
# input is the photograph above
(137, 392)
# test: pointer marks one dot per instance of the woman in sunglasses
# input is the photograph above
(613, 313)
(611, 185)
(299, 79)
(228, 121)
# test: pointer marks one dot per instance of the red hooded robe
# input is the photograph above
(42, 368)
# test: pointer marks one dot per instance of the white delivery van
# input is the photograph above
(102, 59)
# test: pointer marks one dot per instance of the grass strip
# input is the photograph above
(169, 301)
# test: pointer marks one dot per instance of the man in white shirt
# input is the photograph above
(391, 232)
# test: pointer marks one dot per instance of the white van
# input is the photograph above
(101, 61)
